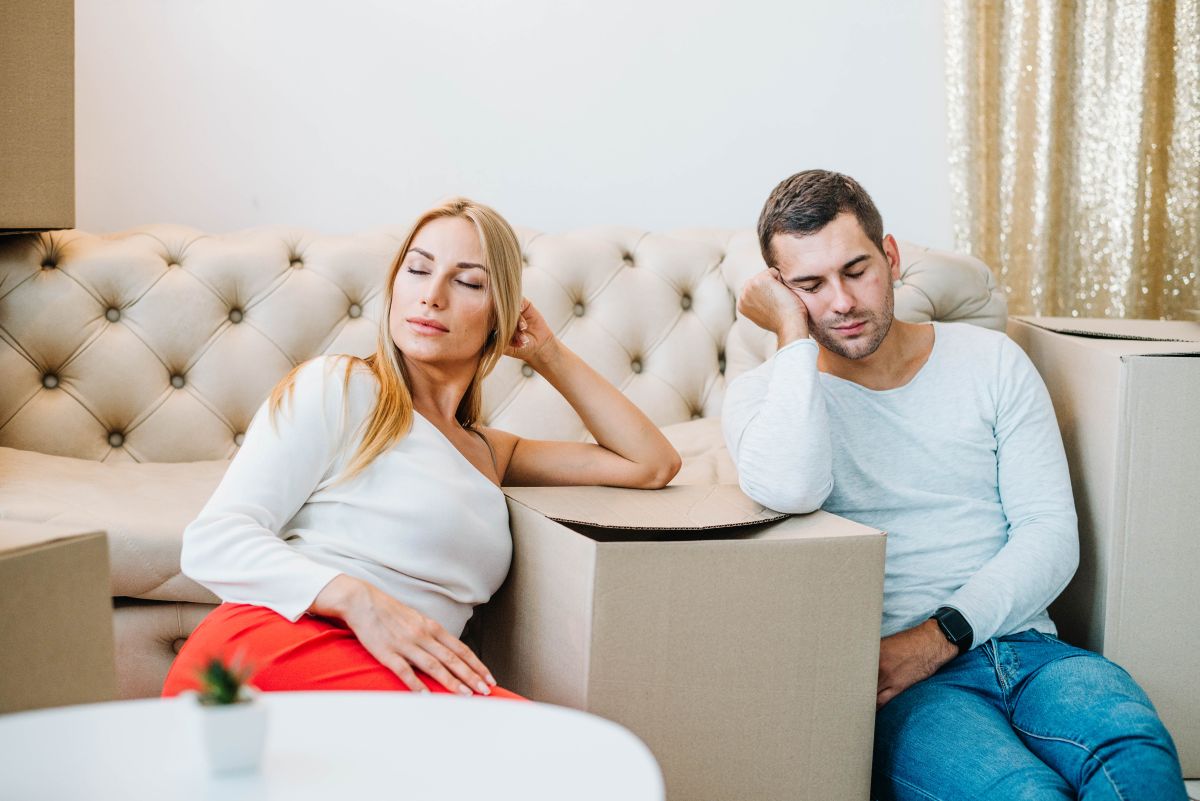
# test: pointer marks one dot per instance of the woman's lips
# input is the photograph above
(424, 326)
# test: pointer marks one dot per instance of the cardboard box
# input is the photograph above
(56, 635)
(741, 645)
(37, 125)
(1127, 396)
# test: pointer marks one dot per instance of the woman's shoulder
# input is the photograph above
(335, 381)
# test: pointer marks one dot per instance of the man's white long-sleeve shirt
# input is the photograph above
(963, 467)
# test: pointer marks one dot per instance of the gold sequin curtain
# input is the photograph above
(1075, 152)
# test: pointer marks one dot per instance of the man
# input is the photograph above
(943, 435)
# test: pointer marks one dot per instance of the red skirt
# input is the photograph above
(313, 653)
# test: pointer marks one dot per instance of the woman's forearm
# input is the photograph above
(613, 419)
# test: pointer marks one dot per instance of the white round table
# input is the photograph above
(329, 746)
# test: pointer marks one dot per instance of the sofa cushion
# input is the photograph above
(143, 507)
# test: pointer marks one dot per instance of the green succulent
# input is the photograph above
(222, 683)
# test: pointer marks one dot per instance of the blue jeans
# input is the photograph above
(1025, 717)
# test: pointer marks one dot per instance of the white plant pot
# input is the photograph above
(234, 734)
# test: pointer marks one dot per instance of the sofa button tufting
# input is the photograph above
(721, 364)
(177, 644)
(686, 302)
(355, 310)
(636, 365)
(578, 310)
(526, 371)
(49, 381)
(177, 381)
(238, 439)
(112, 315)
(235, 315)
(696, 415)
(116, 439)
(48, 264)
(627, 257)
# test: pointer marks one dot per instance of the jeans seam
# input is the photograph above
(1091, 755)
(914, 787)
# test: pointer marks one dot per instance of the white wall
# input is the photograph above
(224, 114)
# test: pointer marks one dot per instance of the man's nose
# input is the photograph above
(843, 300)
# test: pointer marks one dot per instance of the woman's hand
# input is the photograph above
(401, 638)
(533, 339)
(630, 451)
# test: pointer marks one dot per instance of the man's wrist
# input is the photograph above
(787, 334)
(943, 649)
(954, 627)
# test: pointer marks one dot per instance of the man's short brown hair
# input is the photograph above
(810, 200)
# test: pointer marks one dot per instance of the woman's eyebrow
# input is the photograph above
(462, 265)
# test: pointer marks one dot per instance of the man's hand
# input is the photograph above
(909, 657)
(768, 303)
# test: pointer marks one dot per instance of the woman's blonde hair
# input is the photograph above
(391, 417)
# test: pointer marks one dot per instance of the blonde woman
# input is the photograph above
(362, 520)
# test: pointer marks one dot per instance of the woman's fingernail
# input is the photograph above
(490, 680)
(483, 688)
(464, 690)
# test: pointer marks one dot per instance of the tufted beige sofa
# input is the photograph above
(133, 362)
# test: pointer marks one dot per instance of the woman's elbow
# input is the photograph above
(188, 554)
(661, 471)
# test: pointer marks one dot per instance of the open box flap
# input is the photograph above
(672, 508)
(1104, 328)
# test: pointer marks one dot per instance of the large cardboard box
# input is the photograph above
(37, 114)
(1127, 396)
(741, 645)
(56, 634)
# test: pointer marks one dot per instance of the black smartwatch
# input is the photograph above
(955, 627)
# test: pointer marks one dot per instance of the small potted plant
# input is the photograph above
(233, 718)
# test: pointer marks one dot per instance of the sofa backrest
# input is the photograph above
(158, 344)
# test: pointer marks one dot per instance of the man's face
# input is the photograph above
(844, 282)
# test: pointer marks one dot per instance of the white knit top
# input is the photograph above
(420, 522)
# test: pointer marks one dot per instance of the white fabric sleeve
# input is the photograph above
(234, 547)
(1042, 551)
(776, 427)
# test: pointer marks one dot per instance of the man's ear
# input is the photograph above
(892, 252)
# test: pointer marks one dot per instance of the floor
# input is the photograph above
(1193, 788)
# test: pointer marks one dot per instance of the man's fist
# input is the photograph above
(910, 656)
(768, 303)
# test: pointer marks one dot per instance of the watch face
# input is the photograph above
(956, 627)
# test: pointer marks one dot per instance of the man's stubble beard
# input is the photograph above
(878, 322)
